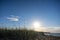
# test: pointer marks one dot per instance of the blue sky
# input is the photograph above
(20, 11)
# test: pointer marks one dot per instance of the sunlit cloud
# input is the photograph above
(54, 29)
(13, 18)
(51, 29)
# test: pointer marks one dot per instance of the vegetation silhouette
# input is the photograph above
(24, 34)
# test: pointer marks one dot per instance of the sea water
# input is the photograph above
(53, 34)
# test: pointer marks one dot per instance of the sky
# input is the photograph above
(25, 12)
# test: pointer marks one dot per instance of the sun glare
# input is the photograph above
(37, 26)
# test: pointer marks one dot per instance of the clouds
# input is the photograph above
(49, 29)
(52, 29)
(13, 18)
(55, 30)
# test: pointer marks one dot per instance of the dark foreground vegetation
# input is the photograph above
(24, 35)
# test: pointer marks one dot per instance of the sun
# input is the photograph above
(36, 25)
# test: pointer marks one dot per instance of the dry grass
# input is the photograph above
(24, 35)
